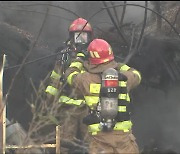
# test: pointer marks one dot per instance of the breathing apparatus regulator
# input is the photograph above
(108, 104)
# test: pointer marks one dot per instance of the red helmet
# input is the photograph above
(78, 24)
(100, 51)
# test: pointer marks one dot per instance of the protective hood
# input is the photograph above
(99, 68)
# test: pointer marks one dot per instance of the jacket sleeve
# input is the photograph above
(133, 75)
(74, 69)
(54, 80)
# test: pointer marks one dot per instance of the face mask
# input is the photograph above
(80, 39)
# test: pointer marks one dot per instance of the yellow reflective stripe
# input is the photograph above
(124, 68)
(51, 90)
(71, 26)
(125, 126)
(110, 51)
(68, 100)
(82, 71)
(122, 83)
(124, 96)
(96, 54)
(76, 64)
(90, 100)
(138, 74)
(69, 78)
(94, 128)
(122, 108)
(95, 88)
(80, 55)
(55, 75)
(92, 55)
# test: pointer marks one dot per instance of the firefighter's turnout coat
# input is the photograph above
(86, 79)
(72, 106)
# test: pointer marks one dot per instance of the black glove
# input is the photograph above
(122, 77)
(92, 118)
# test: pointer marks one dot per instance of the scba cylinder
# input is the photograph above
(109, 94)
(109, 107)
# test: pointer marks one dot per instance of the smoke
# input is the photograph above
(56, 28)
(156, 118)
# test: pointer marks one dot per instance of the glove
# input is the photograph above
(92, 118)
(122, 77)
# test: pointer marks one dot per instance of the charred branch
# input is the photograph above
(157, 8)
(56, 6)
(151, 11)
(37, 12)
(118, 30)
(115, 12)
(132, 39)
(33, 61)
(131, 54)
(175, 19)
(168, 68)
(143, 26)
(123, 13)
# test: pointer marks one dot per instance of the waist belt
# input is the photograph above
(124, 126)
(68, 100)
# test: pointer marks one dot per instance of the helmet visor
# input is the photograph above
(82, 38)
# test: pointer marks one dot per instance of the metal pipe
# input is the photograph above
(58, 139)
(31, 146)
(2, 109)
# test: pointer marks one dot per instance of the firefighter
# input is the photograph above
(88, 82)
(72, 105)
